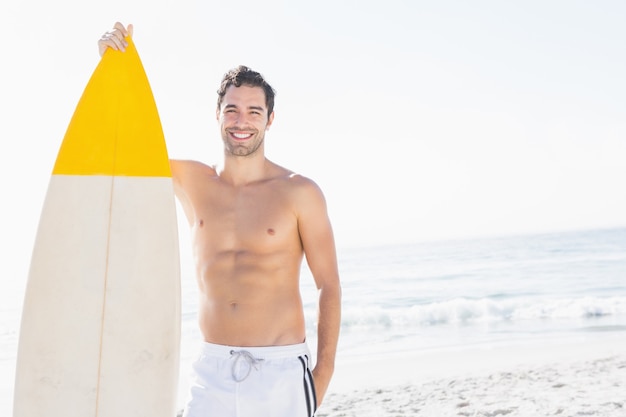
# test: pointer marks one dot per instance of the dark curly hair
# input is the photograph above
(243, 75)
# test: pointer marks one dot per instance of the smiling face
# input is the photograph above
(243, 120)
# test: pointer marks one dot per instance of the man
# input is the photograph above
(252, 222)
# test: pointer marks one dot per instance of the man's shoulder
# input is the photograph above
(305, 195)
(293, 180)
(299, 181)
(300, 188)
(183, 166)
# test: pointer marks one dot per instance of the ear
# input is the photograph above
(217, 113)
(270, 120)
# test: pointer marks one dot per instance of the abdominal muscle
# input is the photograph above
(250, 300)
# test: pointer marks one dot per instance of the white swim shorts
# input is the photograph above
(233, 381)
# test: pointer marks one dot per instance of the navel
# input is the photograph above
(201, 223)
(271, 232)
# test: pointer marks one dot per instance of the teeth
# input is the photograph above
(241, 135)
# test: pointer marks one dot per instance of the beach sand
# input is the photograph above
(580, 379)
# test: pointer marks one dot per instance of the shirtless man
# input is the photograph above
(252, 222)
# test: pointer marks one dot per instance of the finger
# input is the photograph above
(110, 40)
(114, 41)
(130, 29)
(118, 35)
(121, 28)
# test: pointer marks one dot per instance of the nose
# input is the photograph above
(242, 119)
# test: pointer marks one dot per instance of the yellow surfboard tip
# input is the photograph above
(115, 129)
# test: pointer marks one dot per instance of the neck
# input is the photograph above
(242, 170)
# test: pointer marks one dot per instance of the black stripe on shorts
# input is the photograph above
(309, 386)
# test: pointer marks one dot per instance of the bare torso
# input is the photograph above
(247, 253)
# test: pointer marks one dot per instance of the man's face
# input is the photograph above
(243, 120)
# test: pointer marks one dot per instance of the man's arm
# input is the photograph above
(319, 247)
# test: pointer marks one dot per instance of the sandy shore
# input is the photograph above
(585, 376)
(584, 380)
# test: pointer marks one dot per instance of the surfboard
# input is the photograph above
(100, 327)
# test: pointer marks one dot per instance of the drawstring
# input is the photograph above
(250, 360)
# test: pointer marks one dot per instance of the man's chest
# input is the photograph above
(247, 220)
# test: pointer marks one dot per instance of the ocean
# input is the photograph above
(441, 295)
(484, 292)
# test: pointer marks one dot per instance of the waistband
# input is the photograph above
(261, 352)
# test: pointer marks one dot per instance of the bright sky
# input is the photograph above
(418, 119)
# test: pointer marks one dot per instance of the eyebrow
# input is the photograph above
(232, 106)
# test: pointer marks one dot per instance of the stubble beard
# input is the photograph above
(247, 148)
